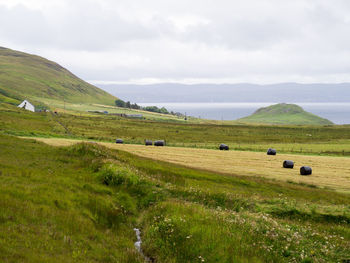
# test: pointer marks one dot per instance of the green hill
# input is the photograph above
(285, 114)
(25, 76)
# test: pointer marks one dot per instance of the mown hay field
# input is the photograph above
(328, 172)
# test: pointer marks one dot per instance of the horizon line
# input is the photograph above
(145, 82)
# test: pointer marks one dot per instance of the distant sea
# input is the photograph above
(338, 113)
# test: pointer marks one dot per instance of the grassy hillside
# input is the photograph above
(285, 114)
(326, 140)
(35, 78)
(81, 203)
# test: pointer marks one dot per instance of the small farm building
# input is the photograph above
(134, 116)
(27, 106)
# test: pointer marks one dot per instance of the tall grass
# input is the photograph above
(53, 208)
(81, 203)
(216, 218)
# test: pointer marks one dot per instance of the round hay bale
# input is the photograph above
(119, 141)
(159, 143)
(148, 142)
(305, 170)
(288, 164)
(223, 147)
(271, 151)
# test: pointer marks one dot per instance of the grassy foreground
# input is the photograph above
(80, 204)
(54, 208)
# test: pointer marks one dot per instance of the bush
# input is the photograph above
(144, 192)
(113, 175)
(156, 109)
(120, 103)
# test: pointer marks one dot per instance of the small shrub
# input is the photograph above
(145, 192)
(113, 175)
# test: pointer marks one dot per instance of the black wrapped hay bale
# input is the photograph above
(288, 164)
(271, 151)
(305, 170)
(223, 147)
(159, 143)
(148, 142)
(119, 141)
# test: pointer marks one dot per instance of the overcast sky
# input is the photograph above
(187, 41)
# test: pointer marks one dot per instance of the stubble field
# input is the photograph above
(328, 172)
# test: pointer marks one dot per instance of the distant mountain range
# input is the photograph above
(283, 92)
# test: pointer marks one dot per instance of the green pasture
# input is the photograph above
(325, 140)
(81, 203)
(83, 109)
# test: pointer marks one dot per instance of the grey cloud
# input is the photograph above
(22, 25)
(141, 39)
(82, 27)
(242, 34)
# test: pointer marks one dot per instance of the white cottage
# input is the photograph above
(27, 105)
